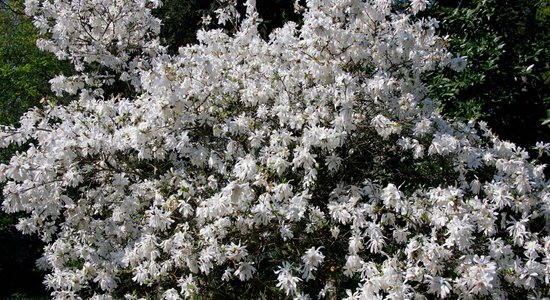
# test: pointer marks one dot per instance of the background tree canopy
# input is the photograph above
(507, 78)
(505, 83)
(24, 70)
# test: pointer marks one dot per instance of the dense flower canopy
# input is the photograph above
(308, 165)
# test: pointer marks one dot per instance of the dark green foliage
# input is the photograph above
(182, 18)
(274, 13)
(508, 74)
(24, 69)
(180, 21)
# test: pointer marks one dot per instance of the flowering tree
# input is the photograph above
(308, 165)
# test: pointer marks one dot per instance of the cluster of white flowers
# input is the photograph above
(308, 165)
(106, 40)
